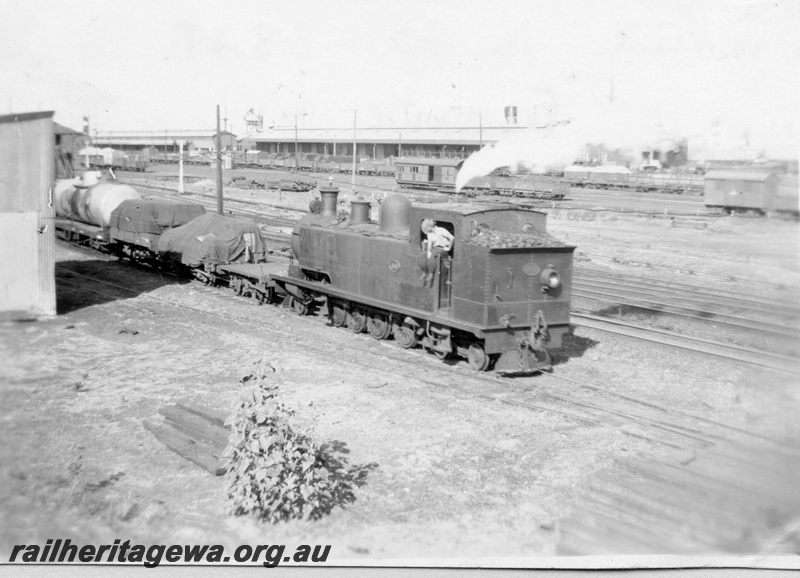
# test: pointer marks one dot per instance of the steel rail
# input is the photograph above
(695, 292)
(774, 361)
(678, 310)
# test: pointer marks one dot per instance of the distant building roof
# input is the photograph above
(733, 175)
(418, 135)
(134, 134)
(61, 129)
(18, 117)
(157, 138)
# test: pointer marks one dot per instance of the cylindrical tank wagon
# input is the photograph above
(83, 207)
(92, 204)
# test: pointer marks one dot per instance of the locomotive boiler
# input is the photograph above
(500, 296)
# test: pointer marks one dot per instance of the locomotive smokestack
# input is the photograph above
(359, 211)
(330, 196)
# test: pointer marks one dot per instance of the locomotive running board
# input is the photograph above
(328, 291)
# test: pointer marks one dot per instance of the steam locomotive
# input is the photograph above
(500, 296)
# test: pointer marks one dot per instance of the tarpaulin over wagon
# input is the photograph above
(214, 239)
(153, 217)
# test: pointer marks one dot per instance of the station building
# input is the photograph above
(376, 143)
(371, 143)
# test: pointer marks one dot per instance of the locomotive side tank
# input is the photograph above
(501, 293)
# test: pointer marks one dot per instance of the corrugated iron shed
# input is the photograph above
(27, 236)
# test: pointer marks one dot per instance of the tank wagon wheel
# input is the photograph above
(406, 336)
(478, 360)
(238, 286)
(378, 326)
(268, 296)
(338, 316)
(299, 307)
(357, 321)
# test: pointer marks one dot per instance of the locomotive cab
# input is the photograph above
(504, 274)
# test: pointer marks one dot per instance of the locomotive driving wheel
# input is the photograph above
(478, 360)
(405, 336)
(378, 326)
(357, 321)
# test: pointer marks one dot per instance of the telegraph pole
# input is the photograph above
(296, 158)
(355, 146)
(219, 166)
(180, 168)
(480, 128)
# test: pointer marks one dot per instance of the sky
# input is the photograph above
(722, 70)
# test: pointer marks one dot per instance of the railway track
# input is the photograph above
(733, 311)
(522, 391)
(588, 288)
(544, 392)
(747, 355)
(615, 200)
(683, 301)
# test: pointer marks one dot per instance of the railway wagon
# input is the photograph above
(740, 190)
(620, 177)
(114, 218)
(500, 295)
(763, 192)
(83, 208)
(787, 197)
(136, 225)
(427, 173)
(600, 176)
(440, 174)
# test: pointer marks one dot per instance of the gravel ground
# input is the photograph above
(451, 477)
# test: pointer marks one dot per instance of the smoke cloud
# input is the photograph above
(560, 144)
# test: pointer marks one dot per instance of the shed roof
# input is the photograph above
(427, 162)
(26, 116)
(420, 135)
(61, 129)
(755, 176)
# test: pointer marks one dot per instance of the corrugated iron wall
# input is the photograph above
(27, 236)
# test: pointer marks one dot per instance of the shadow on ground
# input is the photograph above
(572, 346)
(81, 284)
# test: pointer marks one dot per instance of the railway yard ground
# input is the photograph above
(630, 445)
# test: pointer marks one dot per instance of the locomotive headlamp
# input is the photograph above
(550, 280)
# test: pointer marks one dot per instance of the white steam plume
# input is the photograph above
(555, 146)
